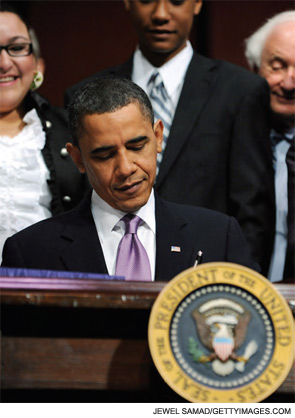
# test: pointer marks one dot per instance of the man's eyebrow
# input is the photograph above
(99, 150)
(137, 139)
(278, 58)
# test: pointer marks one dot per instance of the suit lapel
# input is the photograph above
(195, 93)
(81, 249)
(172, 231)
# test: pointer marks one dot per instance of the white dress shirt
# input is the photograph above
(110, 229)
(172, 73)
(25, 195)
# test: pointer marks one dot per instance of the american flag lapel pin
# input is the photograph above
(175, 249)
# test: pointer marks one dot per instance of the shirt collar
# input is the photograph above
(108, 218)
(31, 117)
(276, 137)
(172, 73)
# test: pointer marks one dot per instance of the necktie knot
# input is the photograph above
(155, 79)
(156, 85)
(277, 137)
(132, 222)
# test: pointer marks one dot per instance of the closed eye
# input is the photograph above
(104, 157)
(136, 148)
(277, 65)
(137, 144)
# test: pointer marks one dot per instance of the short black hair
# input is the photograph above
(7, 7)
(105, 95)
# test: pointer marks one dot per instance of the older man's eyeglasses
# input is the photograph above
(17, 50)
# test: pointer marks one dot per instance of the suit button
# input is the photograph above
(67, 199)
(63, 152)
(48, 124)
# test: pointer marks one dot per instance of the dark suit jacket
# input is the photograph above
(69, 241)
(67, 185)
(218, 153)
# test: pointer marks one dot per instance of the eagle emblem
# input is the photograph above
(222, 325)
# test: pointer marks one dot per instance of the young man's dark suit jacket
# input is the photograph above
(218, 153)
(70, 242)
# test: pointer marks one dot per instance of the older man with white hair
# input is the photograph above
(270, 52)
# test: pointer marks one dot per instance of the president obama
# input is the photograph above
(122, 227)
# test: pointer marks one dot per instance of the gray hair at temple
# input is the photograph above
(105, 95)
(255, 42)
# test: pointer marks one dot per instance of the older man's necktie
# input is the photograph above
(290, 254)
(162, 107)
(132, 258)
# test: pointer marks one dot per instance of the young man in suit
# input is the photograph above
(115, 141)
(270, 51)
(216, 152)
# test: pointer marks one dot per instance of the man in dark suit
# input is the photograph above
(270, 51)
(115, 141)
(217, 153)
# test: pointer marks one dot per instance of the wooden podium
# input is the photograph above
(86, 340)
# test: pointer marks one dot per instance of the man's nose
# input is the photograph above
(161, 10)
(288, 82)
(125, 165)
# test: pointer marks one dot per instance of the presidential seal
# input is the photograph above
(221, 332)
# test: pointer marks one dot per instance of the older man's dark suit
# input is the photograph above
(70, 242)
(218, 153)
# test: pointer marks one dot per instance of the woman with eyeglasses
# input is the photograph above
(37, 176)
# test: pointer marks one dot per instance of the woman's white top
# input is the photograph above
(24, 193)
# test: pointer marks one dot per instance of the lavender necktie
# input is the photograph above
(132, 258)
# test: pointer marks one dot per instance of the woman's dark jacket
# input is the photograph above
(67, 184)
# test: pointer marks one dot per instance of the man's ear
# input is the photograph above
(75, 154)
(127, 4)
(158, 131)
(198, 6)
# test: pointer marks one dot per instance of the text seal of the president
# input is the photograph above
(221, 332)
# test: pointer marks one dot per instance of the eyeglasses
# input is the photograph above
(17, 50)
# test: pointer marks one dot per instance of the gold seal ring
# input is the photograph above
(221, 332)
